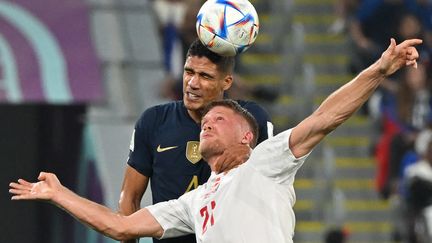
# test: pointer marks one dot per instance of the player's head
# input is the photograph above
(206, 76)
(225, 64)
(224, 124)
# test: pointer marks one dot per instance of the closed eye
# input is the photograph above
(206, 76)
(188, 71)
(203, 122)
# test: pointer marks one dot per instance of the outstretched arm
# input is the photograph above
(98, 217)
(341, 104)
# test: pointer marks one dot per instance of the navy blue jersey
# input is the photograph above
(165, 148)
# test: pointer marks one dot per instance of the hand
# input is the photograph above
(397, 56)
(232, 157)
(45, 189)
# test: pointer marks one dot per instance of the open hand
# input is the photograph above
(232, 157)
(45, 189)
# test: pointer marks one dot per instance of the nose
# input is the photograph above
(194, 82)
(207, 126)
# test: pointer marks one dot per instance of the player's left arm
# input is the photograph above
(237, 155)
(98, 217)
(341, 104)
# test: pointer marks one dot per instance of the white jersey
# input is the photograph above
(252, 203)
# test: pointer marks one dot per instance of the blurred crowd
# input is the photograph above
(402, 107)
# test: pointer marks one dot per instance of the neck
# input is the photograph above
(212, 162)
(195, 115)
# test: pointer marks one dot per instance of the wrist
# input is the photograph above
(378, 71)
(59, 196)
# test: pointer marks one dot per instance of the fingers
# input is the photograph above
(224, 166)
(219, 164)
(411, 63)
(222, 163)
(412, 53)
(24, 182)
(392, 44)
(20, 186)
(411, 42)
(405, 45)
(18, 196)
(42, 176)
(412, 56)
(20, 191)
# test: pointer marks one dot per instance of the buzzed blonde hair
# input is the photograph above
(234, 106)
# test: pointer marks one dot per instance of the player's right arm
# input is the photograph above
(133, 189)
(98, 217)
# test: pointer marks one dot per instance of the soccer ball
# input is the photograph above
(227, 27)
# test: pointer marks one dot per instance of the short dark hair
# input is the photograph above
(234, 106)
(224, 63)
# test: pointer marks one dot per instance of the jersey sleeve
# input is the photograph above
(174, 216)
(140, 155)
(274, 159)
(262, 117)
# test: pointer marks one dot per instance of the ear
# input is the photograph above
(247, 138)
(227, 82)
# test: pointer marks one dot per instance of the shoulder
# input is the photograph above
(160, 112)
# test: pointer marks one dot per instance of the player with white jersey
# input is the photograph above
(258, 197)
(252, 203)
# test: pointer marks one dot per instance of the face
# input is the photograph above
(409, 27)
(202, 83)
(220, 129)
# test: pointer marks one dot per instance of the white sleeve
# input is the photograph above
(274, 159)
(173, 216)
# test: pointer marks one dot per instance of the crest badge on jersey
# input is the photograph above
(192, 152)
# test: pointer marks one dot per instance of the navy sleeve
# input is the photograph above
(140, 153)
(262, 117)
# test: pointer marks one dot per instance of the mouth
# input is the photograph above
(192, 96)
(206, 135)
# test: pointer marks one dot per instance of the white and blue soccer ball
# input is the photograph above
(227, 27)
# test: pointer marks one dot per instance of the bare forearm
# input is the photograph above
(106, 221)
(341, 104)
(128, 206)
(92, 214)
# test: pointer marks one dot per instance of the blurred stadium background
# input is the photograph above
(76, 74)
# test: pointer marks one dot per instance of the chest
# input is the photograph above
(176, 148)
(232, 205)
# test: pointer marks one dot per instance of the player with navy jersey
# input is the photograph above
(165, 142)
(251, 203)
